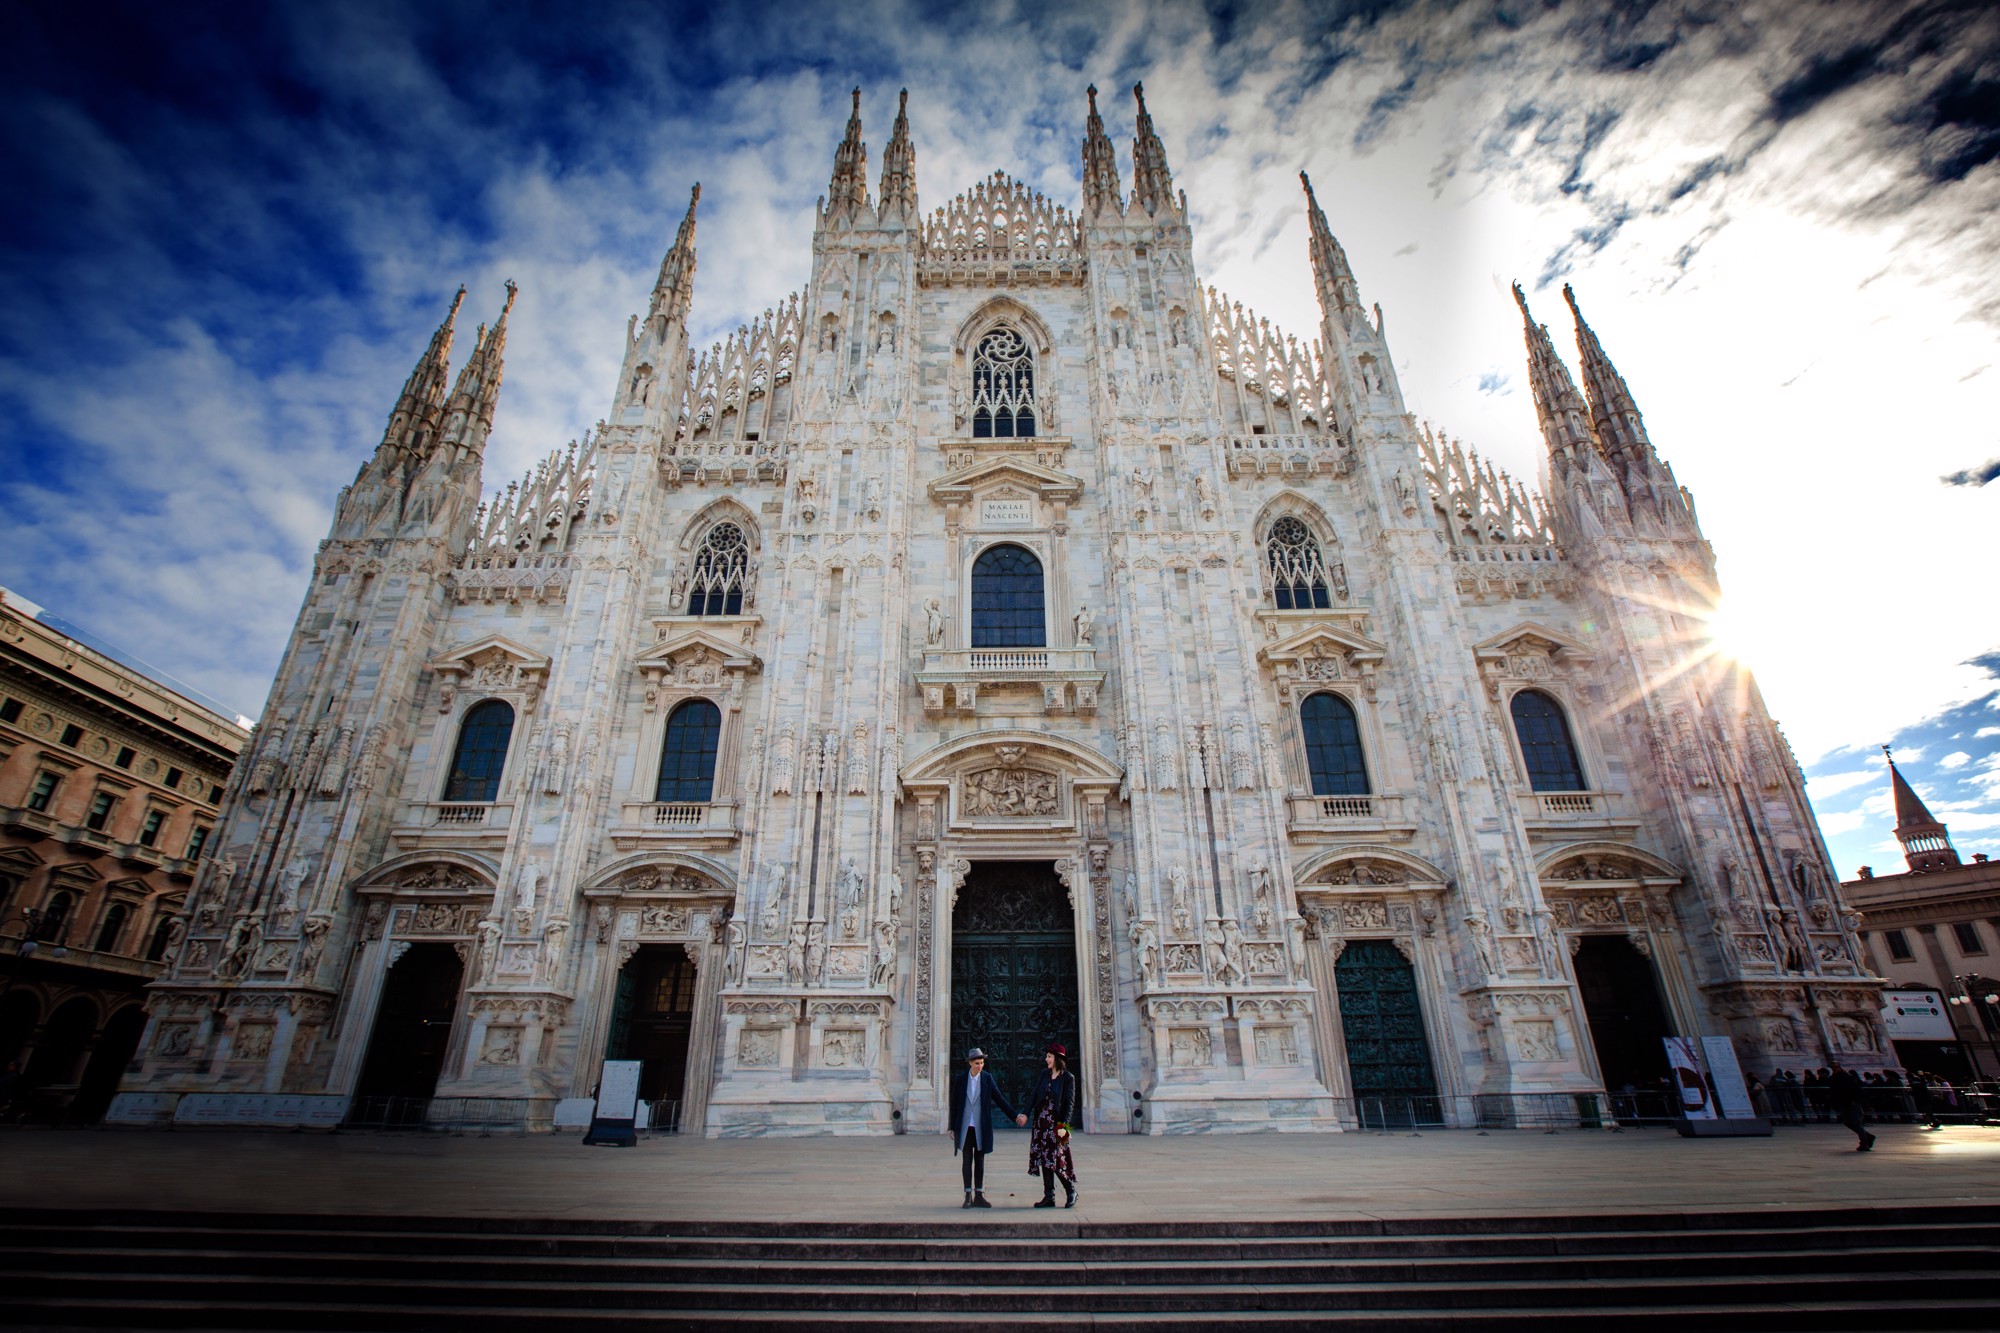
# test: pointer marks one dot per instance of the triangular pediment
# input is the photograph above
(1323, 641)
(1532, 637)
(991, 474)
(484, 652)
(698, 646)
(19, 860)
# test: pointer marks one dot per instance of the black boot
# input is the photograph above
(1048, 1190)
(1069, 1192)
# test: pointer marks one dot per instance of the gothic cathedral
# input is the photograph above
(1006, 640)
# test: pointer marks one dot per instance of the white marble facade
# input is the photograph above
(821, 486)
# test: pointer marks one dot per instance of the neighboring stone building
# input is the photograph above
(1937, 926)
(109, 783)
(1007, 639)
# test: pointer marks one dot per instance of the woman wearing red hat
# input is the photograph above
(1051, 1109)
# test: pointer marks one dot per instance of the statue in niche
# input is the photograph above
(795, 954)
(289, 883)
(312, 937)
(934, 622)
(238, 947)
(1081, 622)
(1142, 484)
(815, 952)
(733, 949)
(1182, 899)
(885, 952)
(1146, 948)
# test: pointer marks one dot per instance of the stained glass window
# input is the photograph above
(1007, 600)
(720, 570)
(1003, 387)
(1298, 571)
(1333, 746)
(482, 752)
(1543, 731)
(687, 759)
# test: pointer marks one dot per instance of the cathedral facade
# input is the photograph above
(1006, 639)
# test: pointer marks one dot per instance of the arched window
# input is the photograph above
(1003, 387)
(1333, 746)
(721, 567)
(162, 934)
(113, 927)
(687, 760)
(55, 917)
(1007, 599)
(1543, 731)
(1298, 571)
(481, 753)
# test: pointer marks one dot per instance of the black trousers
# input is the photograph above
(1850, 1116)
(974, 1167)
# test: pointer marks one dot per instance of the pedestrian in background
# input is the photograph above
(1051, 1111)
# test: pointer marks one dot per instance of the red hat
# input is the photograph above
(1057, 1048)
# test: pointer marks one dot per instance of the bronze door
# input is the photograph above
(1013, 970)
(1382, 1019)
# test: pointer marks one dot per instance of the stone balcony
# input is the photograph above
(675, 824)
(1347, 818)
(1566, 815)
(452, 823)
(1293, 455)
(951, 678)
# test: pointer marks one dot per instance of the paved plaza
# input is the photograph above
(1456, 1173)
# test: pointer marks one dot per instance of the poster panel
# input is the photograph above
(1685, 1066)
(618, 1090)
(1731, 1096)
(1916, 1015)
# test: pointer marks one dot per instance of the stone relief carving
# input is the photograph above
(1010, 792)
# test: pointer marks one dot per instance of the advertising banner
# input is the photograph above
(1916, 1015)
(1685, 1066)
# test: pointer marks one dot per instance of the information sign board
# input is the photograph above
(1916, 1015)
(1685, 1065)
(614, 1122)
(1732, 1098)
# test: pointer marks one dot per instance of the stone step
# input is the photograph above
(22, 1267)
(221, 1292)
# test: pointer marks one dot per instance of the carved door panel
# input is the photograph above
(1388, 1055)
(1013, 971)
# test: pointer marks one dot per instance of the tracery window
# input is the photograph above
(1003, 387)
(1298, 570)
(1007, 607)
(721, 571)
(1546, 746)
(481, 755)
(1333, 746)
(687, 758)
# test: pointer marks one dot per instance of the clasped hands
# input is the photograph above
(1020, 1120)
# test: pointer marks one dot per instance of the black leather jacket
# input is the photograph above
(1058, 1090)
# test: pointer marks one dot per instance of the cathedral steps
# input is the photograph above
(1793, 1269)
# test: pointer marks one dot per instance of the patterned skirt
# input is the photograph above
(1048, 1150)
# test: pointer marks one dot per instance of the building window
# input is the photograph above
(197, 840)
(1333, 746)
(1899, 945)
(687, 759)
(10, 711)
(1967, 935)
(55, 917)
(113, 927)
(173, 777)
(1546, 746)
(1003, 387)
(215, 793)
(149, 831)
(721, 568)
(157, 949)
(71, 734)
(1007, 599)
(1298, 571)
(44, 791)
(101, 806)
(125, 757)
(481, 753)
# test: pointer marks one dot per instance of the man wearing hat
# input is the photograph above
(974, 1095)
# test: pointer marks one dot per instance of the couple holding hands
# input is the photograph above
(1052, 1107)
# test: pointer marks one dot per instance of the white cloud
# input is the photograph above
(1956, 759)
(1825, 786)
(1842, 821)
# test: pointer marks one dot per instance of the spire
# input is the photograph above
(1339, 293)
(847, 194)
(477, 393)
(1152, 183)
(1557, 402)
(1926, 843)
(674, 291)
(413, 421)
(1613, 414)
(899, 163)
(1101, 191)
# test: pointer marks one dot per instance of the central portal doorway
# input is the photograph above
(412, 1024)
(1013, 970)
(1382, 1022)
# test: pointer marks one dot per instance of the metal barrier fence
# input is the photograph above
(483, 1114)
(1964, 1104)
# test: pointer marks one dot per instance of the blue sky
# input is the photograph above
(231, 229)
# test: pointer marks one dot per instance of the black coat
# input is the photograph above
(995, 1100)
(1058, 1089)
